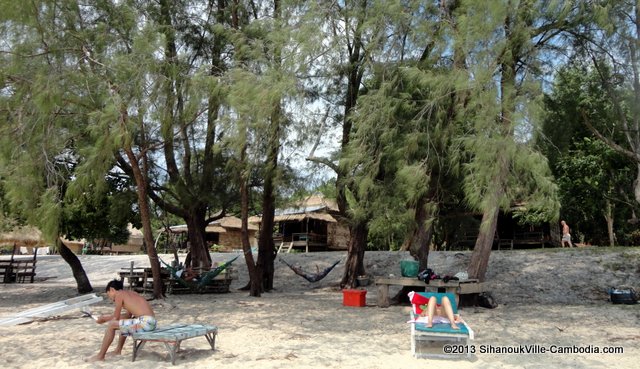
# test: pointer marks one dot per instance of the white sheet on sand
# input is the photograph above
(46, 311)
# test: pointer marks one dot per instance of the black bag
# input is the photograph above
(486, 300)
(623, 295)
(426, 275)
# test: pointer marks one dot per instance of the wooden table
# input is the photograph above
(133, 276)
(140, 279)
(437, 285)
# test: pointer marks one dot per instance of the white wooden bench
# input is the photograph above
(173, 335)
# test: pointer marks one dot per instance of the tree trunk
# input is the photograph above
(255, 273)
(636, 185)
(266, 248)
(418, 245)
(355, 257)
(358, 229)
(609, 218)
(82, 281)
(145, 216)
(508, 66)
(482, 250)
(199, 256)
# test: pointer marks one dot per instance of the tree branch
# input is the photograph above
(126, 167)
(634, 156)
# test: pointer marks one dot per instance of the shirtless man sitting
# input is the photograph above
(138, 317)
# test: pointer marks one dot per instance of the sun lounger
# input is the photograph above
(172, 336)
(420, 333)
(49, 310)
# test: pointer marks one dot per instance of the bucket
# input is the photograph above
(409, 268)
(363, 280)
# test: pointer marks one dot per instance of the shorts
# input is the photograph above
(440, 320)
(143, 323)
(566, 237)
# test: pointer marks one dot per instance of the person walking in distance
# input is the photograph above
(566, 234)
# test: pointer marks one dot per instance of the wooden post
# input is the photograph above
(131, 275)
(33, 268)
(383, 295)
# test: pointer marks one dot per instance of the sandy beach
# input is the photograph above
(547, 298)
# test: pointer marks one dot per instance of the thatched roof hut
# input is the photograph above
(313, 223)
(225, 232)
(23, 236)
(134, 245)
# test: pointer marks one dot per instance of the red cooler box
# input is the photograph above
(356, 298)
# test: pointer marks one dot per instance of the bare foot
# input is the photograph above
(93, 359)
(454, 326)
(429, 325)
(114, 353)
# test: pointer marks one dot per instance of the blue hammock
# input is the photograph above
(308, 276)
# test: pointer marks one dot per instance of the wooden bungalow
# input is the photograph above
(134, 245)
(313, 224)
(225, 233)
(510, 234)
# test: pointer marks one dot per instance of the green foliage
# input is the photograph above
(439, 117)
(589, 177)
(634, 237)
(101, 214)
(398, 147)
(576, 89)
(502, 168)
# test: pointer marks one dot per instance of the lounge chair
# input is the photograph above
(49, 310)
(172, 336)
(439, 332)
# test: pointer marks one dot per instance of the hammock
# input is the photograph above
(311, 277)
(205, 278)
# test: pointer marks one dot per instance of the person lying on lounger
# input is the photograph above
(139, 316)
(440, 313)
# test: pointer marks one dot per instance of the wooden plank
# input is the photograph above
(467, 288)
(457, 287)
(405, 281)
(402, 281)
(176, 332)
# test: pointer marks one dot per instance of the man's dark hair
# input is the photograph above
(116, 284)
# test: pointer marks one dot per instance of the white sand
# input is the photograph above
(549, 298)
